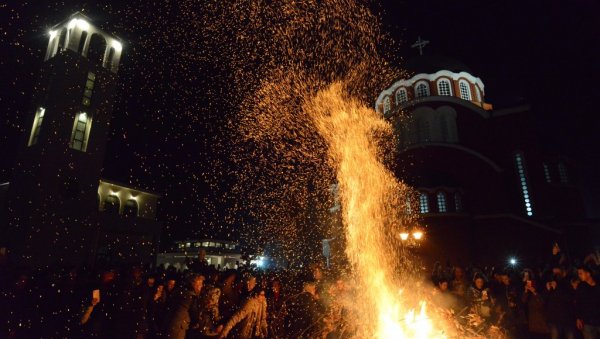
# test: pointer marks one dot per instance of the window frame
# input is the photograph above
(465, 90)
(425, 85)
(446, 82)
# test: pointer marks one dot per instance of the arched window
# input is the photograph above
(443, 86)
(422, 89)
(458, 204)
(97, 49)
(423, 203)
(62, 40)
(387, 105)
(562, 173)
(401, 95)
(109, 59)
(111, 204)
(465, 91)
(441, 202)
(82, 40)
(131, 208)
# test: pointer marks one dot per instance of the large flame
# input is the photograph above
(369, 195)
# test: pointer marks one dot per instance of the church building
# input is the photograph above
(485, 187)
(57, 209)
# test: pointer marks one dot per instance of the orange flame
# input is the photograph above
(369, 195)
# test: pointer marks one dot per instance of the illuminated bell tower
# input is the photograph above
(53, 198)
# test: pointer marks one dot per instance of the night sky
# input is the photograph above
(543, 53)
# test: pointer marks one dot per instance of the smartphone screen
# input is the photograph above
(96, 294)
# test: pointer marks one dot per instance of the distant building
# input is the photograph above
(219, 253)
(57, 208)
(486, 186)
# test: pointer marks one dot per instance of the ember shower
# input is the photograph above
(304, 73)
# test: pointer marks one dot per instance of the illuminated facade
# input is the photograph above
(485, 185)
(55, 208)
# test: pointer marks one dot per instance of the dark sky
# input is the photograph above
(544, 53)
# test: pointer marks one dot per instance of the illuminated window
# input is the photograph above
(387, 105)
(465, 91)
(89, 89)
(444, 87)
(458, 202)
(422, 90)
(520, 164)
(562, 173)
(205, 244)
(424, 203)
(81, 131)
(547, 174)
(401, 96)
(37, 126)
(441, 202)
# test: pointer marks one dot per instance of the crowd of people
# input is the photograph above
(559, 300)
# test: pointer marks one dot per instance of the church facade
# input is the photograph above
(57, 209)
(485, 189)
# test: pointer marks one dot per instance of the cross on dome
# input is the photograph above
(420, 44)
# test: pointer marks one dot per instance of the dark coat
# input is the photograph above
(180, 312)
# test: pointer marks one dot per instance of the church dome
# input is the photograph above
(431, 64)
(432, 78)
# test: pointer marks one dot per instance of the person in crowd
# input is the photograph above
(459, 283)
(479, 298)
(587, 303)
(183, 308)
(275, 299)
(209, 322)
(249, 285)
(510, 315)
(170, 286)
(559, 305)
(534, 303)
(156, 311)
(252, 318)
(98, 318)
(557, 258)
(230, 297)
(200, 265)
(443, 297)
(302, 313)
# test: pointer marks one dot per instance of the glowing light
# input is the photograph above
(72, 23)
(52, 34)
(418, 235)
(80, 23)
(117, 45)
(83, 25)
(404, 236)
(512, 261)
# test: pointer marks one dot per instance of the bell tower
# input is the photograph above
(52, 202)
